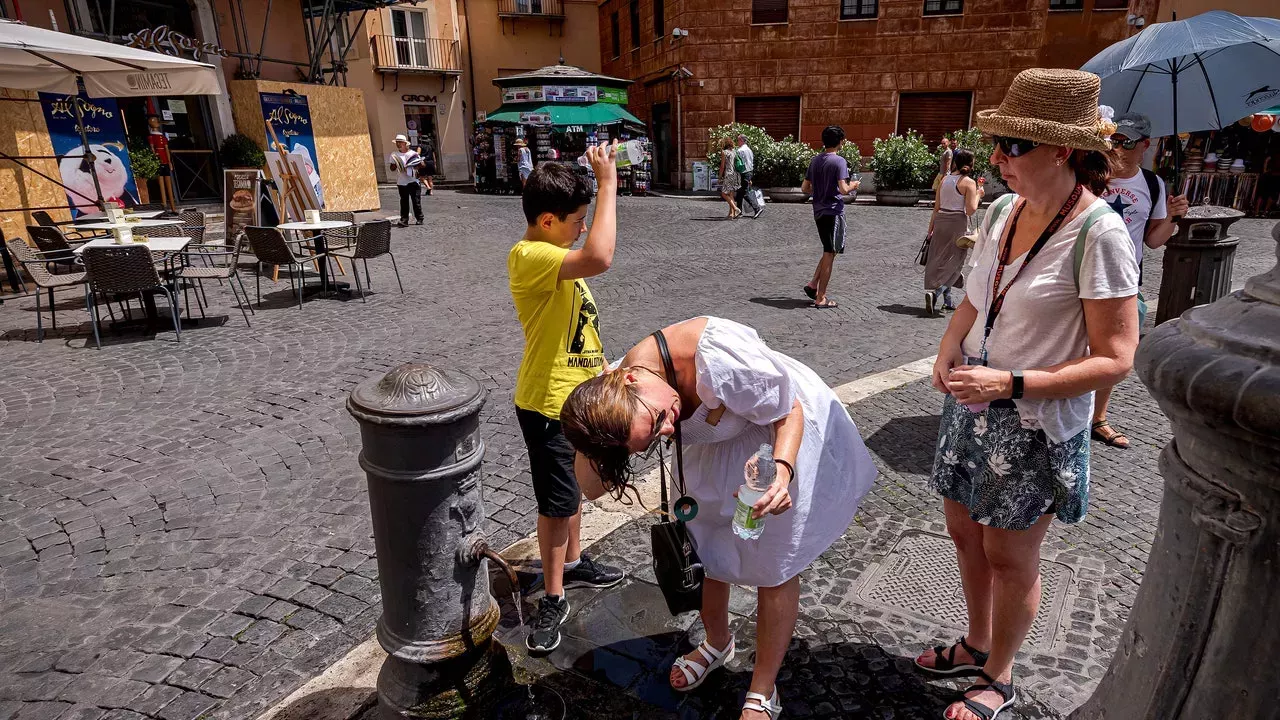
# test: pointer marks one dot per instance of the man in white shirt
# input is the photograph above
(748, 158)
(404, 163)
(1138, 195)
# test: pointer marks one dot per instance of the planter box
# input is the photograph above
(786, 195)
(897, 198)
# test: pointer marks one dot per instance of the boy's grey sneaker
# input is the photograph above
(545, 635)
(590, 573)
(758, 211)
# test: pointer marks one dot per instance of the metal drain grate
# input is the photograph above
(919, 577)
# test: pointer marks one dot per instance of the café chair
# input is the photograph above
(373, 239)
(37, 266)
(124, 270)
(270, 248)
(218, 263)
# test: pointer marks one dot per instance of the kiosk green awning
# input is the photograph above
(562, 114)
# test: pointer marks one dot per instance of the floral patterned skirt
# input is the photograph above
(1009, 476)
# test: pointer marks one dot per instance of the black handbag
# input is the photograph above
(922, 257)
(675, 560)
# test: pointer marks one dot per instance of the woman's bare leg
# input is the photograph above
(715, 619)
(775, 624)
(975, 577)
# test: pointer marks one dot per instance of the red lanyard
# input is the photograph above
(997, 295)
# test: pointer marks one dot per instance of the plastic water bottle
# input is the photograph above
(630, 153)
(759, 474)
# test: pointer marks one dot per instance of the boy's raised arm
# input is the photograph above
(596, 254)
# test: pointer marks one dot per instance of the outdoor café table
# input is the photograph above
(135, 224)
(319, 241)
(170, 247)
(144, 214)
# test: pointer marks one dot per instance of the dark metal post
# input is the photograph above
(1204, 623)
(420, 432)
(1197, 261)
(88, 153)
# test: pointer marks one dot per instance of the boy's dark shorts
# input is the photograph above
(831, 232)
(551, 462)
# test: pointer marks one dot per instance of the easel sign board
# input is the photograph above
(296, 193)
(240, 200)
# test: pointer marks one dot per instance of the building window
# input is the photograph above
(1066, 4)
(617, 37)
(1110, 4)
(768, 12)
(943, 7)
(779, 116)
(859, 9)
(635, 23)
(410, 30)
(659, 19)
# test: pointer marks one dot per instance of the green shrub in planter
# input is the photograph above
(852, 155)
(239, 151)
(903, 162)
(144, 161)
(782, 164)
(757, 140)
(973, 140)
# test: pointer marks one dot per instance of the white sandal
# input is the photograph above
(695, 672)
(771, 706)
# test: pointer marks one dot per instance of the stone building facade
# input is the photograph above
(872, 66)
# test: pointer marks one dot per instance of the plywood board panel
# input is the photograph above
(341, 128)
(22, 132)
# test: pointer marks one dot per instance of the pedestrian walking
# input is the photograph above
(827, 180)
(744, 163)
(1138, 194)
(730, 181)
(716, 388)
(525, 161)
(404, 163)
(954, 204)
(944, 163)
(1034, 337)
(562, 348)
(427, 170)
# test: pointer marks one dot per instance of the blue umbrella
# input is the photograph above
(1202, 73)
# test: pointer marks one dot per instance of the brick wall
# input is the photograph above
(847, 72)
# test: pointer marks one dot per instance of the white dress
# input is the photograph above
(756, 386)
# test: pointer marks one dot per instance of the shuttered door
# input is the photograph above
(934, 114)
(764, 12)
(779, 116)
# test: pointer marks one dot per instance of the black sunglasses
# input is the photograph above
(655, 433)
(1125, 142)
(1014, 147)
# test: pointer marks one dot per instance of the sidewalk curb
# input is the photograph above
(357, 671)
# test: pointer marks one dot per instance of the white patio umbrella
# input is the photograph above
(1202, 73)
(33, 58)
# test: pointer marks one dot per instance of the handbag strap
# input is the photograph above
(669, 369)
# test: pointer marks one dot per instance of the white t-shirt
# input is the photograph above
(526, 160)
(1132, 199)
(406, 163)
(1042, 321)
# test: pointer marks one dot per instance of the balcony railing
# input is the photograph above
(531, 8)
(404, 54)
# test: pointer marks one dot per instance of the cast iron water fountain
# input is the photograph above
(422, 453)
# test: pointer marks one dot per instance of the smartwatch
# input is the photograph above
(1017, 385)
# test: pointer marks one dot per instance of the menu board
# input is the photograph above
(240, 200)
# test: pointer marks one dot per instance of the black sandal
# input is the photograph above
(1005, 689)
(1115, 439)
(811, 292)
(945, 665)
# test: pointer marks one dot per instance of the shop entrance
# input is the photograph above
(661, 114)
(186, 122)
(420, 128)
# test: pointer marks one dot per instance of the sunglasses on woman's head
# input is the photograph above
(1014, 147)
(1125, 142)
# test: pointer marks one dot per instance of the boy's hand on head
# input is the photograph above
(602, 158)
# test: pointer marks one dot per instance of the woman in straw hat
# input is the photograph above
(1048, 318)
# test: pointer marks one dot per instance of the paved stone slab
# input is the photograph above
(199, 502)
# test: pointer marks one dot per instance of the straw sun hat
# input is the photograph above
(1054, 107)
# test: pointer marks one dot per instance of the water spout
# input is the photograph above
(478, 548)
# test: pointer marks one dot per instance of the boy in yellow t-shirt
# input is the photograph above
(562, 348)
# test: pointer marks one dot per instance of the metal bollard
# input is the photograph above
(1197, 261)
(1204, 621)
(420, 431)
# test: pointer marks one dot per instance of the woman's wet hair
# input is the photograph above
(1092, 168)
(962, 160)
(596, 420)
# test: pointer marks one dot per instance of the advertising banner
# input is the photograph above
(107, 143)
(290, 118)
(240, 200)
(522, 94)
(570, 93)
(617, 96)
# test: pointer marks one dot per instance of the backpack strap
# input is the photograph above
(1078, 252)
(1153, 185)
(996, 209)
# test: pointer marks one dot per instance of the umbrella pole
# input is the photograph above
(84, 139)
(1177, 141)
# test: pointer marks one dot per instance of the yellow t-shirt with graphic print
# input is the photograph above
(561, 329)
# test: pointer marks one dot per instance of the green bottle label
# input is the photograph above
(742, 517)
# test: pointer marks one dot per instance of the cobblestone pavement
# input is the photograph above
(183, 526)
(885, 591)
